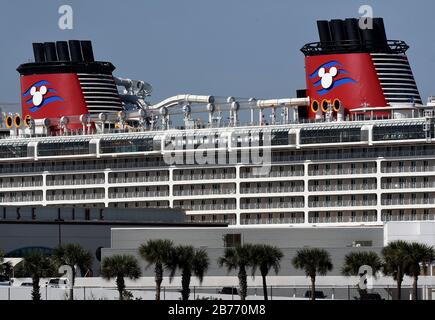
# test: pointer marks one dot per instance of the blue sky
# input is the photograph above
(225, 47)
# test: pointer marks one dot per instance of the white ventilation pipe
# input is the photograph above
(286, 102)
(175, 100)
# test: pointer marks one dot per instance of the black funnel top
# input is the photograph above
(62, 51)
(38, 52)
(324, 32)
(75, 49)
(88, 53)
(73, 56)
(50, 51)
(346, 36)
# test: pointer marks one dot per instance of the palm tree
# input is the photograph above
(73, 254)
(2, 267)
(239, 257)
(418, 255)
(354, 260)
(38, 266)
(266, 257)
(120, 267)
(189, 261)
(313, 261)
(157, 252)
(395, 262)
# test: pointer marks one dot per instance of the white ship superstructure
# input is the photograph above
(349, 172)
(354, 148)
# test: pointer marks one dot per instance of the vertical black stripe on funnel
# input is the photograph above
(380, 34)
(352, 32)
(368, 38)
(88, 53)
(50, 51)
(337, 31)
(62, 51)
(75, 49)
(38, 52)
(324, 32)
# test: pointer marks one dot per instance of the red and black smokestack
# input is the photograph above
(357, 67)
(65, 80)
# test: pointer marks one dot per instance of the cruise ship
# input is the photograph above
(353, 148)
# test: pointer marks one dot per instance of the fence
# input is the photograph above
(343, 292)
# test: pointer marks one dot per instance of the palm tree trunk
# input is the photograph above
(185, 284)
(36, 295)
(71, 290)
(313, 287)
(415, 288)
(159, 279)
(399, 289)
(243, 283)
(120, 284)
(264, 287)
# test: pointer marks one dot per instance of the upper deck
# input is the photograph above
(291, 135)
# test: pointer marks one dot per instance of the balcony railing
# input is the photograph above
(139, 194)
(272, 205)
(200, 192)
(343, 203)
(408, 185)
(408, 217)
(343, 219)
(272, 220)
(333, 172)
(274, 174)
(276, 189)
(343, 187)
(20, 184)
(399, 169)
(207, 207)
(407, 201)
(205, 176)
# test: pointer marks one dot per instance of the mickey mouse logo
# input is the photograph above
(325, 81)
(327, 77)
(38, 96)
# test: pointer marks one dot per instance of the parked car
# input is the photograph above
(58, 283)
(4, 281)
(370, 296)
(317, 294)
(26, 284)
(228, 290)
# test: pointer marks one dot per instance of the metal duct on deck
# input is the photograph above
(287, 102)
(183, 98)
(42, 122)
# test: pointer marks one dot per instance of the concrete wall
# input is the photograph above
(284, 237)
(338, 242)
(287, 269)
(420, 231)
